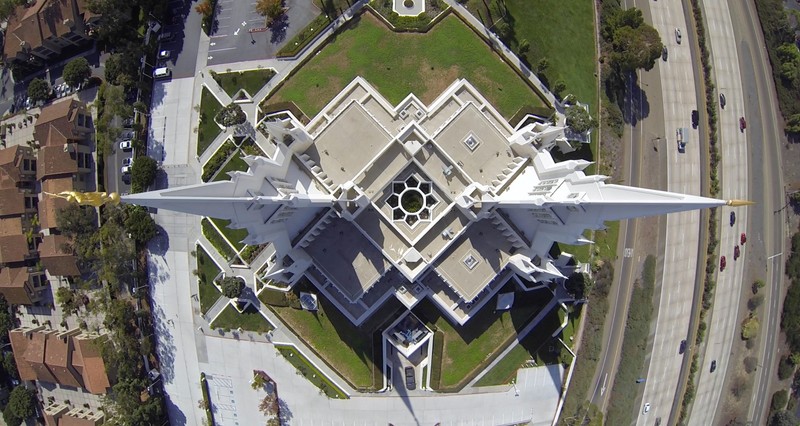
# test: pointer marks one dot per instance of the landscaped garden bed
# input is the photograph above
(250, 320)
(423, 64)
(207, 270)
(207, 129)
(251, 81)
(216, 239)
(310, 372)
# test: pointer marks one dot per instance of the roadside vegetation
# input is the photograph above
(577, 410)
(423, 64)
(625, 393)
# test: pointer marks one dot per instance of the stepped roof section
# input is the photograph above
(445, 200)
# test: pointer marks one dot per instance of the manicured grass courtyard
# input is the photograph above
(251, 81)
(234, 164)
(207, 129)
(354, 352)
(250, 320)
(469, 348)
(206, 270)
(401, 63)
(214, 237)
(235, 236)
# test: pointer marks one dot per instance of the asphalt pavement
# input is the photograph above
(241, 34)
(186, 25)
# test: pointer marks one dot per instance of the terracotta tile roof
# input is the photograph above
(49, 207)
(54, 259)
(58, 357)
(12, 285)
(10, 163)
(89, 363)
(56, 160)
(56, 123)
(52, 18)
(13, 248)
(11, 226)
(12, 202)
(34, 355)
(19, 344)
(81, 417)
(23, 26)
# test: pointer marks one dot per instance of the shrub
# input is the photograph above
(231, 115)
(785, 368)
(76, 71)
(143, 173)
(757, 285)
(755, 302)
(750, 327)
(38, 90)
(750, 364)
(779, 400)
(232, 287)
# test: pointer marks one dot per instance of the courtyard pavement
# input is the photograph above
(187, 346)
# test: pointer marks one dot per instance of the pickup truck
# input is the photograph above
(682, 135)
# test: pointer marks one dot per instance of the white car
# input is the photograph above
(678, 35)
(125, 169)
(646, 408)
(164, 54)
(126, 145)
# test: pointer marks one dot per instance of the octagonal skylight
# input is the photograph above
(412, 200)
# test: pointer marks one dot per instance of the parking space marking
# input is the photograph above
(219, 50)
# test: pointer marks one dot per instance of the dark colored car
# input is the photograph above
(682, 348)
(713, 366)
(722, 263)
(742, 238)
(742, 124)
(664, 54)
(411, 383)
(722, 100)
(695, 118)
(736, 252)
(733, 218)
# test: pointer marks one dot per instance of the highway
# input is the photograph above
(680, 260)
(723, 322)
(766, 188)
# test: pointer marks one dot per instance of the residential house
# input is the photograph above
(60, 414)
(41, 32)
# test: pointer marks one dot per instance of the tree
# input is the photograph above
(269, 405)
(21, 402)
(38, 90)
(120, 68)
(68, 300)
(636, 48)
(231, 115)
(793, 124)
(7, 321)
(503, 31)
(205, 8)
(232, 287)
(755, 301)
(139, 224)
(750, 327)
(578, 284)
(270, 8)
(7, 8)
(143, 173)
(74, 220)
(10, 418)
(524, 47)
(750, 364)
(779, 399)
(783, 418)
(785, 368)
(76, 71)
(579, 120)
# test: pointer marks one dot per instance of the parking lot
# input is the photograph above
(233, 41)
(116, 181)
(185, 26)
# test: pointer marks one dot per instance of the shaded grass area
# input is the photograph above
(423, 64)
(252, 81)
(217, 160)
(310, 372)
(354, 352)
(250, 320)
(236, 163)
(207, 129)
(206, 270)
(235, 236)
(469, 348)
(214, 237)
(625, 392)
(534, 346)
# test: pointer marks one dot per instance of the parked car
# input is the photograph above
(682, 348)
(410, 380)
(646, 408)
(742, 124)
(664, 54)
(722, 263)
(733, 218)
(164, 54)
(127, 123)
(722, 100)
(127, 161)
(125, 170)
(713, 366)
(678, 35)
(126, 145)
(742, 238)
(695, 118)
(736, 252)
(165, 37)
(163, 72)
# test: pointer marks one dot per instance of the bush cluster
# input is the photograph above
(304, 37)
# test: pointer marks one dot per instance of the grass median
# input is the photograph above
(207, 270)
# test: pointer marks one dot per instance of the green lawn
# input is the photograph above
(207, 129)
(207, 270)
(235, 236)
(250, 320)
(530, 347)
(468, 348)
(423, 64)
(234, 164)
(354, 352)
(216, 240)
(310, 372)
(251, 81)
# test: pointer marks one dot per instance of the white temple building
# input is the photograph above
(446, 201)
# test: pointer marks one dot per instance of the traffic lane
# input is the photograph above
(233, 42)
(183, 58)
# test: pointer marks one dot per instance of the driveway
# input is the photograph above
(233, 41)
(186, 25)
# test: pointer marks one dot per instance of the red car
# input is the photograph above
(736, 252)
(722, 263)
(742, 124)
(743, 238)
